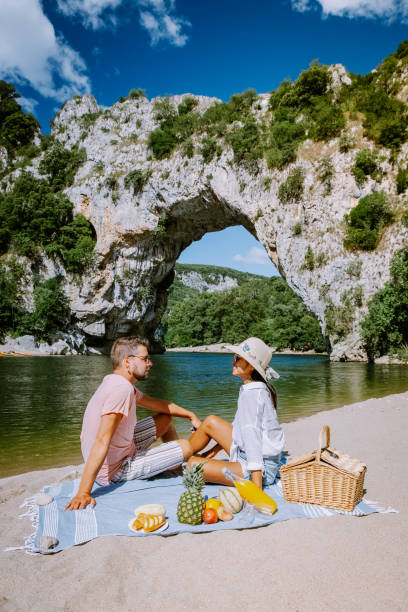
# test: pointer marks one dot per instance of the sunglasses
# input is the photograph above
(235, 359)
(145, 359)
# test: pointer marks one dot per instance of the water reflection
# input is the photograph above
(42, 399)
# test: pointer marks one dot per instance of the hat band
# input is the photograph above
(246, 349)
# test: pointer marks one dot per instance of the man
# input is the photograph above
(114, 445)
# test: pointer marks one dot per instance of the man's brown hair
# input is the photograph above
(122, 347)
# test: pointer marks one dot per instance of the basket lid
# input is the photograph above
(329, 456)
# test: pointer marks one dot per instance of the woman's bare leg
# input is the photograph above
(165, 428)
(210, 454)
(213, 469)
(212, 428)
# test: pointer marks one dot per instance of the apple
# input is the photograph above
(210, 516)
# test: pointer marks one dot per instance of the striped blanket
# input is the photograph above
(115, 505)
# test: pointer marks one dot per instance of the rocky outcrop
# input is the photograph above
(216, 283)
(140, 235)
(61, 344)
(3, 158)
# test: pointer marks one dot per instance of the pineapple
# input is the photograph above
(191, 504)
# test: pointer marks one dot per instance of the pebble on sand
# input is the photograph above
(47, 543)
(42, 499)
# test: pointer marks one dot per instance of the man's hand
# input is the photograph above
(195, 421)
(109, 423)
(80, 501)
(164, 407)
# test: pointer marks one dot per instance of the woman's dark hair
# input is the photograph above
(256, 377)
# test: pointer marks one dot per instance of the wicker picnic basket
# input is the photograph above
(325, 477)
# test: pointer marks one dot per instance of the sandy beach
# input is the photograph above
(335, 563)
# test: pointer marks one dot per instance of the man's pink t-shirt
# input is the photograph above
(114, 395)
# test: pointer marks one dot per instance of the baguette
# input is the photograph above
(156, 509)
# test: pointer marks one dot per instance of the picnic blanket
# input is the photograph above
(115, 506)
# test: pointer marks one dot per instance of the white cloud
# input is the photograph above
(31, 52)
(390, 10)
(28, 104)
(255, 255)
(161, 24)
(90, 11)
(156, 16)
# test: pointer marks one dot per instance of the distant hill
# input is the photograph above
(210, 304)
(191, 279)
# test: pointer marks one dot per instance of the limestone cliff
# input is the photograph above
(142, 228)
(196, 281)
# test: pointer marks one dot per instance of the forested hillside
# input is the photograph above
(36, 220)
(258, 306)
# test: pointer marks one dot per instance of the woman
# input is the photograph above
(255, 440)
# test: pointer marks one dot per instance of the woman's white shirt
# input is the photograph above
(256, 429)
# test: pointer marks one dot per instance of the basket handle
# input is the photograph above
(325, 430)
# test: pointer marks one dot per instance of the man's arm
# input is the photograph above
(109, 423)
(164, 407)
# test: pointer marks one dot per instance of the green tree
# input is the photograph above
(312, 82)
(385, 328)
(12, 277)
(209, 149)
(366, 220)
(51, 312)
(136, 180)
(61, 165)
(246, 144)
(267, 308)
(291, 190)
(18, 130)
(8, 101)
(32, 215)
(366, 164)
(284, 138)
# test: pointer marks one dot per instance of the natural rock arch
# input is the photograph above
(140, 235)
(141, 270)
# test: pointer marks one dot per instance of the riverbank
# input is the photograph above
(221, 348)
(64, 344)
(305, 565)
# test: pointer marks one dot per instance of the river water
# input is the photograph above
(42, 399)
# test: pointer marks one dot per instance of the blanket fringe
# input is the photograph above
(33, 514)
(379, 508)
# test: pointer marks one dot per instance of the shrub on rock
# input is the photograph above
(366, 220)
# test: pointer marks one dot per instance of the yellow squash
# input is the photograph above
(212, 503)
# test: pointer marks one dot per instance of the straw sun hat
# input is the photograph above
(258, 354)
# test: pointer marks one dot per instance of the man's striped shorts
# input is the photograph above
(148, 462)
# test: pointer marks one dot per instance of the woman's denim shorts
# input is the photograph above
(270, 471)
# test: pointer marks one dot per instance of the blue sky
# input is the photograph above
(54, 49)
